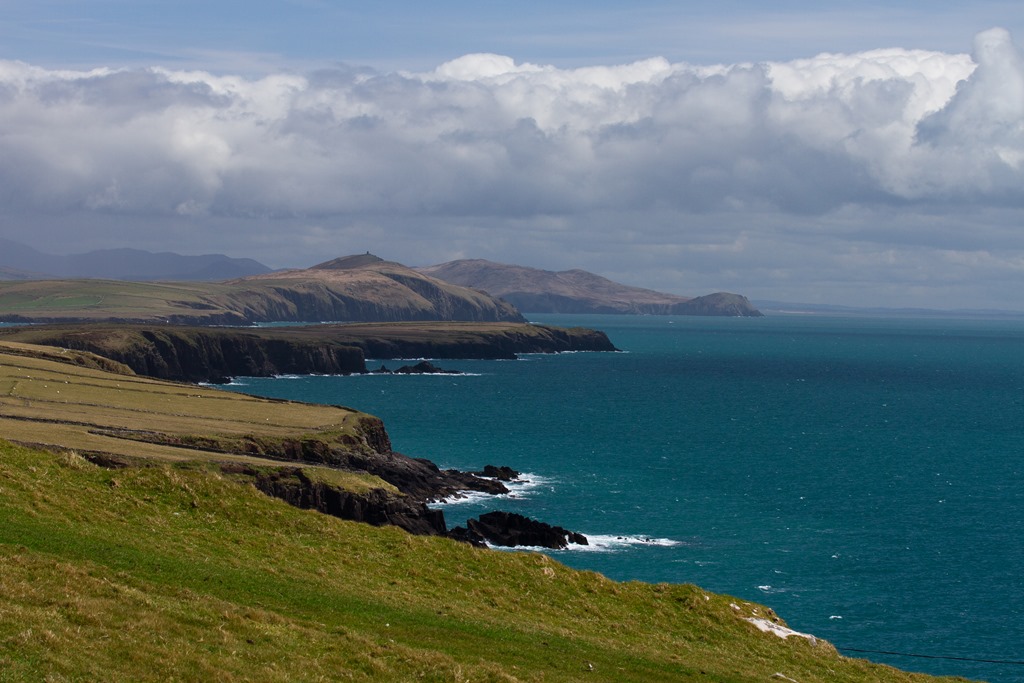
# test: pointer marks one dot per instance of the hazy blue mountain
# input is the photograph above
(798, 308)
(18, 261)
(578, 291)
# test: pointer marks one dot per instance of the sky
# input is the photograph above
(853, 153)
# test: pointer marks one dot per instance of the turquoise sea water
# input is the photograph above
(862, 476)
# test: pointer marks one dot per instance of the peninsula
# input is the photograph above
(577, 291)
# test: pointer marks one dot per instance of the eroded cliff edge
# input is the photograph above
(330, 458)
(205, 354)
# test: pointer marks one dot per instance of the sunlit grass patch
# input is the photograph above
(170, 572)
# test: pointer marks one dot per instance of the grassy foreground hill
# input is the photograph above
(172, 573)
(173, 569)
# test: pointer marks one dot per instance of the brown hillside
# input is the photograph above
(579, 291)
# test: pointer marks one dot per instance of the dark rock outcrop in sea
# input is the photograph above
(502, 473)
(510, 529)
(424, 367)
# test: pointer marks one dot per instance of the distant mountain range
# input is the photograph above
(352, 288)
(795, 308)
(578, 291)
(359, 287)
(20, 262)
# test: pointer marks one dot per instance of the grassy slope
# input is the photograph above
(386, 291)
(176, 572)
(171, 573)
(101, 299)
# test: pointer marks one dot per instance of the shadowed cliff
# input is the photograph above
(198, 354)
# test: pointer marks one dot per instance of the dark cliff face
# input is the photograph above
(362, 448)
(500, 345)
(209, 355)
(377, 507)
(197, 354)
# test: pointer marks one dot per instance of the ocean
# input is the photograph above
(862, 476)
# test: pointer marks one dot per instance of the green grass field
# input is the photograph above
(175, 573)
(100, 299)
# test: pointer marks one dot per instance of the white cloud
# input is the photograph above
(714, 160)
(981, 130)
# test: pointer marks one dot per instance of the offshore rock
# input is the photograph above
(502, 473)
(424, 367)
(420, 478)
(510, 529)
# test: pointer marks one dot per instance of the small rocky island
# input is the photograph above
(510, 529)
(424, 367)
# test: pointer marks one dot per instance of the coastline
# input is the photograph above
(279, 404)
(204, 354)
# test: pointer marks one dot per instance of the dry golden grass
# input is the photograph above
(49, 400)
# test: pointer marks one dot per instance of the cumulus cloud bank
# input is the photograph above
(749, 173)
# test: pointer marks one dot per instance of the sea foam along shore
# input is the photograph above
(522, 486)
(598, 543)
(526, 485)
(610, 543)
